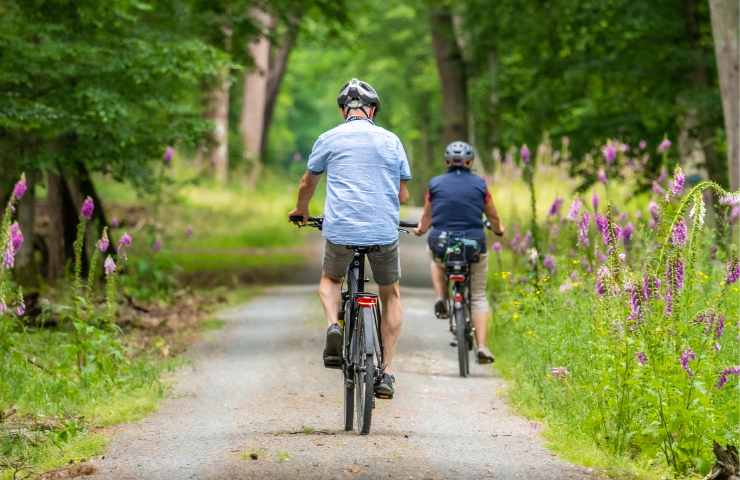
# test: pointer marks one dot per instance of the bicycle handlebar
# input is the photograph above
(318, 222)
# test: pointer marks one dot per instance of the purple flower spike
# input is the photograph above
(169, 152)
(555, 207)
(497, 247)
(16, 236)
(725, 373)
(626, 233)
(664, 146)
(157, 245)
(679, 234)
(641, 358)
(635, 313)
(733, 271)
(657, 189)
(668, 310)
(643, 144)
(114, 222)
(583, 230)
(609, 152)
(601, 277)
(679, 181)
(549, 263)
(109, 266)
(687, 356)
(524, 154)
(189, 231)
(20, 310)
(601, 176)
(654, 211)
(104, 242)
(88, 206)
(20, 187)
(574, 210)
(595, 202)
(125, 240)
(602, 223)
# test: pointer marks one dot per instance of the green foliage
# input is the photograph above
(625, 345)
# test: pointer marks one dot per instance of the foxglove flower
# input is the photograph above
(654, 210)
(625, 233)
(9, 256)
(497, 247)
(725, 373)
(641, 358)
(114, 222)
(609, 152)
(104, 242)
(16, 236)
(734, 215)
(189, 231)
(524, 154)
(601, 277)
(20, 187)
(634, 302)
(687, 356)
(88, 206)
(642, 144)
(733, 271)
(555, 207)
(20, 310)
(3, 307)
(125, 240)
(601, 176)
(595, 202)
(169, 152)
(664, 146)
(549, 263)
(602, 223)
(157, 245)
(650, 286)
(668, 309)
(679, 233)
(657, 189)
(583, 230)
(698, 211)
(109, 266)
(675, 273)
(679, 181)
(574, 210)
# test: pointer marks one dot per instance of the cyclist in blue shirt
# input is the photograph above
(455, 203)
(366, 174)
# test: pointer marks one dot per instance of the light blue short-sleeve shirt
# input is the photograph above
(364, 166)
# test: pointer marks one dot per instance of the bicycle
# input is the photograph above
(362, 352)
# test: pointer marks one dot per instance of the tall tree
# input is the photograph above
(217, 111)
(726, 32)
(452, 74)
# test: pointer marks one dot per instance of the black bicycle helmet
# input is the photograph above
(459, 154)
(358, 94)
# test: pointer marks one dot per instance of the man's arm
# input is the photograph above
(403, 192)
(492, 215)
(425, 222)
(306, 189)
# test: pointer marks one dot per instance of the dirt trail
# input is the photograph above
(257, 389)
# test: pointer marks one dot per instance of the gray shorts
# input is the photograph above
(385, 263)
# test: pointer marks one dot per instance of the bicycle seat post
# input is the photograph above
(359, 257)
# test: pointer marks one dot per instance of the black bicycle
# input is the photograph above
(459, 253)
(362, 352)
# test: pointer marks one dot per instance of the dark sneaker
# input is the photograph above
(484, 355)
(333, 349)
(440, 309)
(384, 388)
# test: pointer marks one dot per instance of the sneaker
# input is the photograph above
(440, 309)
(453, 341)
(333, 349)
(485, 355)
(384, 388)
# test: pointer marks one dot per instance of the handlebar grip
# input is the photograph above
(403, 224)
(296, 218)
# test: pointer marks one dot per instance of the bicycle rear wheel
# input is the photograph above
(463, 356)
(365, 394)
(349, 402)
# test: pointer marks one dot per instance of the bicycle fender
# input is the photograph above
(368, 323)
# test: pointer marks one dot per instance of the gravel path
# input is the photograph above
(257, 403)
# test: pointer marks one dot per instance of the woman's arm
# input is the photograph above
(425, 222)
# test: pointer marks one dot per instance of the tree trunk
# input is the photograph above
(55, 244)
(255, 97)
(278, 63)
(726, 33)
(216, 152)
(451, 68)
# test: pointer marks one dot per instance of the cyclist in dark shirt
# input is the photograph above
(455, 203)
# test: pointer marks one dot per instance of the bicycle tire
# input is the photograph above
(365, 416)
(463, 356)
(349, 403)
(348, 370)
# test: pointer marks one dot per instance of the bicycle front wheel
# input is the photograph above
(463, 356)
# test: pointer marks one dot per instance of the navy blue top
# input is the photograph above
(458, 200)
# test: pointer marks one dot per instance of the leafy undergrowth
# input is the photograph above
(622, 335)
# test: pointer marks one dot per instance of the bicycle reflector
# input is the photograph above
(367, 301)
(457, 278)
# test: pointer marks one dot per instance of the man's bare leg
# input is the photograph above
(439, 281)
(480, 322)
(329, 289)
(390, 297)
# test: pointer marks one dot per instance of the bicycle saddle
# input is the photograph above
(364, 248)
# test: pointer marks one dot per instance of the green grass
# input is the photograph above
(227, 262)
